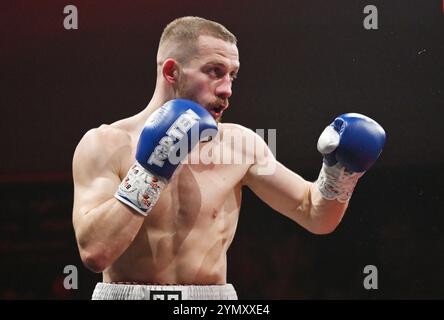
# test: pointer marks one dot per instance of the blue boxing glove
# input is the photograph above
(169, 134)
(350, 145)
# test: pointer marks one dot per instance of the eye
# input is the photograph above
(211, 72)
(219, 72)
(215, 72)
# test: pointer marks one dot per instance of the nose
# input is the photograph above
(223, 89)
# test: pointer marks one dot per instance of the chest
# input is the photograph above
(202, 197)
(211, 166)
(198, 185)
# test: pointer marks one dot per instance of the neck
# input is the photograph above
(158, 99)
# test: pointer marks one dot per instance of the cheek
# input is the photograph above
(199, 84)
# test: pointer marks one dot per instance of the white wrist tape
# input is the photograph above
(140, 189)
(336, 183)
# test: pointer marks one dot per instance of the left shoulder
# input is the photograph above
(246, 141)
(235, 128)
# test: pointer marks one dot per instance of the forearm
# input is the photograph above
(105, 232)
(324, 215)
(315, 213)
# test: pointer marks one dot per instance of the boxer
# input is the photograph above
(159, 227)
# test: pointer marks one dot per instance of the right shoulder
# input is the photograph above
(100, 146)
(105, 137)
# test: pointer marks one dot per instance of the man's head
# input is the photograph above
(198, 60)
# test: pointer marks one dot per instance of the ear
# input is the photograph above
(170, 71)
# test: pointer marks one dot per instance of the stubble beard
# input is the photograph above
(183, 92)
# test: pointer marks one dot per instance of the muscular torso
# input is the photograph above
(185, 238)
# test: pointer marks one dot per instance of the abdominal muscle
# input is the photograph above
(184, 240)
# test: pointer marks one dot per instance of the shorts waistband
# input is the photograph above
(137, 291)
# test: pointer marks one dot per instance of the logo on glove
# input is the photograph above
(175, 133)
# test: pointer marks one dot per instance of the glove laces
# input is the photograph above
(336, 182)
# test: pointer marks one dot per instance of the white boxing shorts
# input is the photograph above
(117, 291)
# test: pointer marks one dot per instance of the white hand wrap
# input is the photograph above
(336, 182)
(140, 189)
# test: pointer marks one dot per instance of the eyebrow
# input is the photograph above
(219, 63)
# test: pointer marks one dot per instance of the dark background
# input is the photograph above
(302, 63)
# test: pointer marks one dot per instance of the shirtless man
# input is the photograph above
(162, 231)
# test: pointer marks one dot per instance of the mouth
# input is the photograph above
(217, 110)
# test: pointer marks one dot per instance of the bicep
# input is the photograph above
(283, 190)
(95, 179)
(280, 188)
(90, 193)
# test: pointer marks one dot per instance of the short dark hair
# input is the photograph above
(184, 33)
